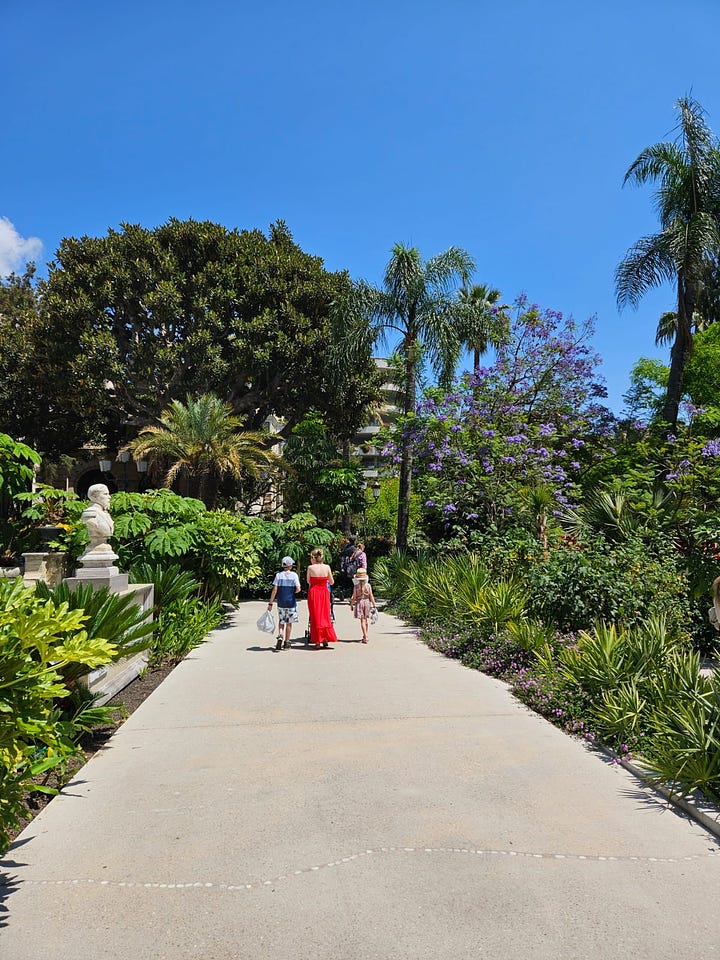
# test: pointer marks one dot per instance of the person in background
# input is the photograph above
(286, 586)
(348, 551)
(362, 602)
(359, 558)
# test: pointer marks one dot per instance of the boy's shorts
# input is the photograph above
(287, 615)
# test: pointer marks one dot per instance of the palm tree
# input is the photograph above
(688, 201)
(418, 302)
(486, 322)
(203, 440)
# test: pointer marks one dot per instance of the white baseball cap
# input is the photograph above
(287, 561)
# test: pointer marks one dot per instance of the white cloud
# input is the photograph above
(15, 250)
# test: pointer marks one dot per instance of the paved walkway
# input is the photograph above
(359, 802)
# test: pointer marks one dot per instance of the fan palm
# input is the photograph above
(688, 201)
(203, 441)
(417, 301)
(485, 322)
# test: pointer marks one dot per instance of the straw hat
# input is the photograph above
(361, 574)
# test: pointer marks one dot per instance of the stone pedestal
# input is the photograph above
(97, 567)
(49, 567)
(111, 578)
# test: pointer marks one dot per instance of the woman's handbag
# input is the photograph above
(266, 622)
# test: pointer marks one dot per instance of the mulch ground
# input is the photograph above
(125, 702)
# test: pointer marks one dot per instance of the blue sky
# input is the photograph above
(504, 128)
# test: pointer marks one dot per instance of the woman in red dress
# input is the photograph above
(319, 575)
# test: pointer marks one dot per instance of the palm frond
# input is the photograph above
(648, 263)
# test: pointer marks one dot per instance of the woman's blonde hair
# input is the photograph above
(317, 556)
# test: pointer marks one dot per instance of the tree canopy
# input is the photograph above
(129, 322)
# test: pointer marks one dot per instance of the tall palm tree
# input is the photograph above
(486, 322)
(687, 172)
(204, 441)
(417, 301)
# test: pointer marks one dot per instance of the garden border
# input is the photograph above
(701, 811)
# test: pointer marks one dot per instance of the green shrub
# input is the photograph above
(226, 554)
(622, 583)
(183, 625)
(39, 640)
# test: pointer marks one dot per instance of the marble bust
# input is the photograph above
(97, 519)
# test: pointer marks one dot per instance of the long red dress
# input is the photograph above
(321, 628)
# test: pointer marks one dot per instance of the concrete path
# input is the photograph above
(358, 802)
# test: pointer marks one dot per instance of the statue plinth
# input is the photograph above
(98, 567)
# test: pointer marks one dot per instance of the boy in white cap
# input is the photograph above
(286, 586)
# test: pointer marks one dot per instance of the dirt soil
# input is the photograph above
(125, 702)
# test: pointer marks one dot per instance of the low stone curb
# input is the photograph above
(697, 808)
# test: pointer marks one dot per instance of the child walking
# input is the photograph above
(285, 587)
(362, 602)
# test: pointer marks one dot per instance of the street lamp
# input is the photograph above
(375, 491)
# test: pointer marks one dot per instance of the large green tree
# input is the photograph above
(687, 172)
(418, 303)
(136, 319)
(22, 366)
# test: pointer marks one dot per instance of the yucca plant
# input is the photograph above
(686, 743)
(500, 605)
(535, 637)
(621, 714)
(608, 655)
(389, 574)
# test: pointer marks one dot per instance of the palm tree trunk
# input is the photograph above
(208, 493)
(406, 455)
(680, 351)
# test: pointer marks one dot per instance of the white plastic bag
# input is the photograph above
(266, 623)
(374, 615)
